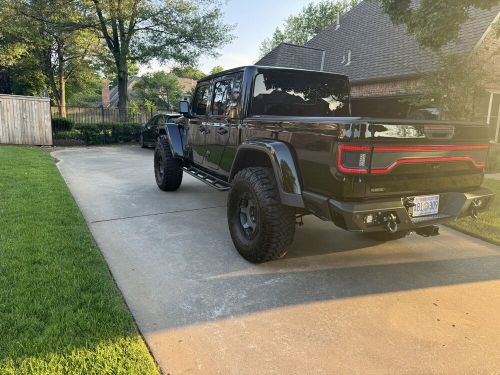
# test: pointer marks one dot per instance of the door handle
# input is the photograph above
(222, 130)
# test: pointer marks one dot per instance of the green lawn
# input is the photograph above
(487, 227)
(60, 311)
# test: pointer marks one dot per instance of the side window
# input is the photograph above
(200, 102)
(222, 98)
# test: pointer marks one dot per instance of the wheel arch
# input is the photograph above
(175, 136)
(278, 156)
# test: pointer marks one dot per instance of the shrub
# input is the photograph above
(61, 124)
(494, 159)
(103, 133)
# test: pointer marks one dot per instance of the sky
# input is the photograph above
(255, 20)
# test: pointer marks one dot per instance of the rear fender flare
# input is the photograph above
(283, 164)
(176, 138)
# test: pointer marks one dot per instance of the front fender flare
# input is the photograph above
(284, 166)
(176, 138)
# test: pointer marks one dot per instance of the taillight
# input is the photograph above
(354, 159)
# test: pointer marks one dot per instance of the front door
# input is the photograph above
(223, 121)
(198, 124)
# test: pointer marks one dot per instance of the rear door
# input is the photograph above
(198, 125)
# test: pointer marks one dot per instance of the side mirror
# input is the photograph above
(184, 108)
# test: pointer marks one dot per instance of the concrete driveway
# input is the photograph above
(338, 303)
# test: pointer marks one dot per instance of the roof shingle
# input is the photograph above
(379, 49)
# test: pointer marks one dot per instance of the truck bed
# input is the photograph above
(399, 157)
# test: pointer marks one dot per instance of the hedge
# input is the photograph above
(62, 124)
(96, 134)
(494, 159)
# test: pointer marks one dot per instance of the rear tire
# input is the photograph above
(168, 170)
(261, 228)
(386, 236)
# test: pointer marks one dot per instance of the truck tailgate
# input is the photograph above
(427, 158)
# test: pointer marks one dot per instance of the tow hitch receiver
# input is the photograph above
(430, 231)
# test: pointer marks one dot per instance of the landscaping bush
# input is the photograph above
(493, 165)
(104, 133)
(61, 124)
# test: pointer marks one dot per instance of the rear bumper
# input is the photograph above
(354, 216)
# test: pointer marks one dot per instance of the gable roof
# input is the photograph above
(292, 56)
(379, 49)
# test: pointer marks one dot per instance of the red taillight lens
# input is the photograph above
(354, 159)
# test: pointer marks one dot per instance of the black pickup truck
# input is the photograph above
(284, 143)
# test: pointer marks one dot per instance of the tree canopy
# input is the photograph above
(169, 30)
(188, 72)
(50, 38)
(434, 23)
(74, 41)
(159, 88)
(453, 86)
(216, 69)
(312, 19)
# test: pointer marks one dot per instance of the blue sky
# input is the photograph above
(255, 20)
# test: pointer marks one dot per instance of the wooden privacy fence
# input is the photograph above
(25, 120)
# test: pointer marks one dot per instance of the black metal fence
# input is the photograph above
(96, 115)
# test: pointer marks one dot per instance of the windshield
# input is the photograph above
(279, 93)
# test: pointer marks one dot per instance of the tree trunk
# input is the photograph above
(123, 89)
(61, 102)
(62, 96)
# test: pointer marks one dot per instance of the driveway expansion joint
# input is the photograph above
(155, 214)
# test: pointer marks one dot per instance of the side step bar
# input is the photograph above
(212, 181)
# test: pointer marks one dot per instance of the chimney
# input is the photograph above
(105, 93)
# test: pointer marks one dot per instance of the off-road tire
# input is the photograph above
(386, 236)
(275, 224)
(168, 170)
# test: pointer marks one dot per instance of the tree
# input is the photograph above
(452, 87)
(216, 69)
(160, 88)
(312, 19)
(52, 37)
(434, 23)
(143, 30)
(188, 72)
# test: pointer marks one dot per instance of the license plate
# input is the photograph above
(425, 205)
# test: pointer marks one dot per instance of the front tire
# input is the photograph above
(261, 228)
(168, 170)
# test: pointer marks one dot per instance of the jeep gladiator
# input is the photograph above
(284, 144)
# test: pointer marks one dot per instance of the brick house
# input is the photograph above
(382, 60)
